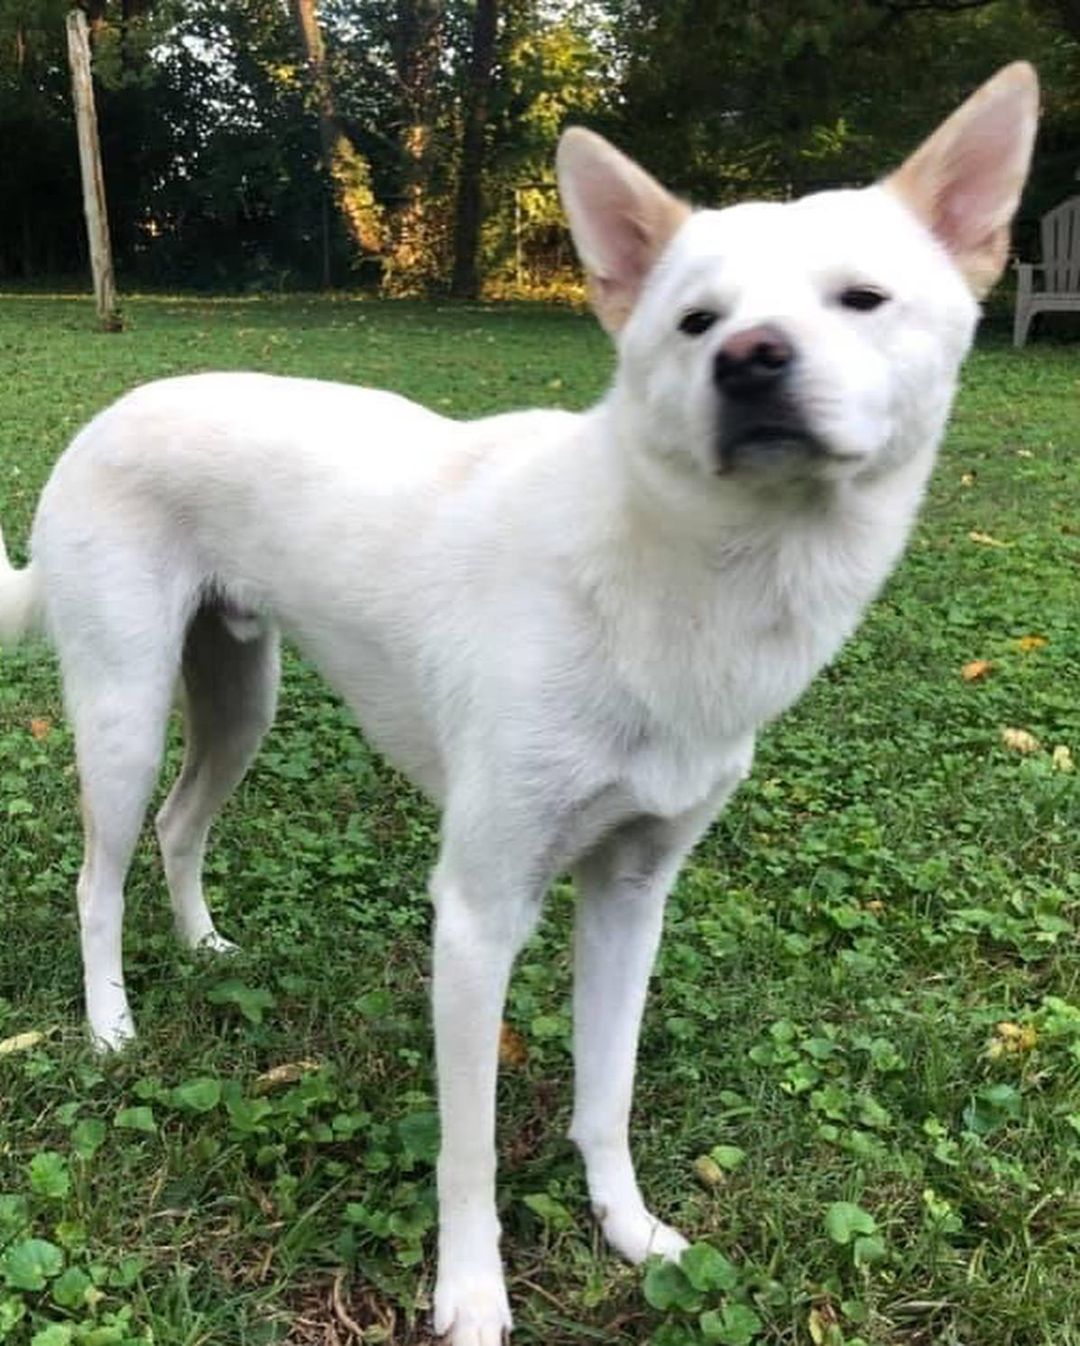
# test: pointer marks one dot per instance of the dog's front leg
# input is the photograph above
(480, 923)
(622, 887)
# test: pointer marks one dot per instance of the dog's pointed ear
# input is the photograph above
(965, 182)
(620, 217)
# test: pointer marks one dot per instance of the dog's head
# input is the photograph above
(818, 338)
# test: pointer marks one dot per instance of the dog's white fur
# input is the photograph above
(567, 629)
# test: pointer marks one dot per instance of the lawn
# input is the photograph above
(860, 1076)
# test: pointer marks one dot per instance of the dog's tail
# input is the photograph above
(18, 599)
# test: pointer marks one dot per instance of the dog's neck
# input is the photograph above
(696, 590)
(663, 497)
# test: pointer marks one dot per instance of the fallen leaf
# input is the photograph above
(21, 1042)
(512, 1049)
(976, 669)
(278, 1076)
(40, 727)
(1012, 1039)
(1062, 758)
(708, 1172)
(1019, 740)
(1027, 643)
(823, 1325)
(968, 479)
(985, 539)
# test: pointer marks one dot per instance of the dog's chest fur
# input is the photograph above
(712, 645)
(694, 647)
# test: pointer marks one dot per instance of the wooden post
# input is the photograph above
(93, 182)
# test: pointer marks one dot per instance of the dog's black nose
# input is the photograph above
(752, 362)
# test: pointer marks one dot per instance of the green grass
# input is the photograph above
(891, 885)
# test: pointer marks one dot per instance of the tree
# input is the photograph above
(250, 143)
(417, 47)
(346, 169)
(779, 96)
(37, 132)
(465, 281)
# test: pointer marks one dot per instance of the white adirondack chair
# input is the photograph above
(1060, 270)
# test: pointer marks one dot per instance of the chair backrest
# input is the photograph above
(1061, 246)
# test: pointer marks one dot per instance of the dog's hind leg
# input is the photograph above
(119, 662)
(230, 695)
(622, 887)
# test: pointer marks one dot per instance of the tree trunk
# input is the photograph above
(465, 281)
(416, 55)
(95, 15)
(346, 169)
(93, 181)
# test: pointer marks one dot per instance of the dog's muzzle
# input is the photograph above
(760, 423)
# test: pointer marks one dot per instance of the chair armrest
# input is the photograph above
(1025, 280)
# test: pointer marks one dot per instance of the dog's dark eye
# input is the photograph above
(696, 322)
(862, 298)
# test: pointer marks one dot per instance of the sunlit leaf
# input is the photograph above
(976, 669)
(1020, 740)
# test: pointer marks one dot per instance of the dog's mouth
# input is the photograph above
(768, 446)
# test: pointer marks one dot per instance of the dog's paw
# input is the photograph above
(636, 1234)
(112, 1035)
(472, 1310)
(216, 944)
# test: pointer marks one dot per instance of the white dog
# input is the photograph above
(567, 629)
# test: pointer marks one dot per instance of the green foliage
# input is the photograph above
(251, 1001)
(198, 1095)
(214, 161)
(49, 1176)
(778, 96)
(843, 1221)
(31, 1264)
(88, 1136)
(136, 1119)
(728, 1157)
(703, 1298)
